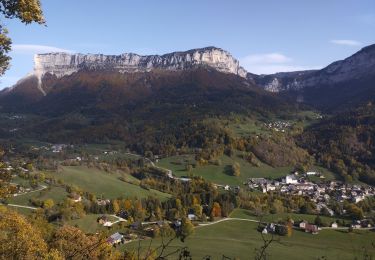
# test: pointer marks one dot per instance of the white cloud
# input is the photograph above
(34, 49)
(269, 63)
(346, 42)
(266, 58)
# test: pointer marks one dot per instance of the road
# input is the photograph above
(226, 219)
(257, 221)
(40, 189)
(19, 206)
(23, 206)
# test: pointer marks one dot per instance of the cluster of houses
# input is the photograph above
(103, 202)
(58, 148)
(55, 148)
(320, 193)
(278, 126)
(303, 225)
(13, 117)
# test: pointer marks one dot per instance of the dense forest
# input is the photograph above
(345, 143)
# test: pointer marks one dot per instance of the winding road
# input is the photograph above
(21, 194)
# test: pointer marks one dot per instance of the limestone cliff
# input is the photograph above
(61, 64)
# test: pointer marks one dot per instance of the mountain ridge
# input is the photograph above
(63, 64)
(341, 85)
(353, 66)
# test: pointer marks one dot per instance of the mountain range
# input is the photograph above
(341, 84)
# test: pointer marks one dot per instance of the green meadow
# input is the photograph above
(236, 238)
(103, 183)
(57, 194)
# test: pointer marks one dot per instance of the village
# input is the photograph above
(321, 193)
(278, 126)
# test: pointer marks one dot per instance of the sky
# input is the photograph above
(266, 36)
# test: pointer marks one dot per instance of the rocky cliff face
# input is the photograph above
(358, 66)
(62, 64)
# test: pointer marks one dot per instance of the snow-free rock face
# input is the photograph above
(360, 65)
(62, 64)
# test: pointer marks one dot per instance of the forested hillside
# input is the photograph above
(345, 143)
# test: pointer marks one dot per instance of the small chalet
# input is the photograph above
(303, 224)
(192, 217)
(313, 229)
(115, 239)
(76, 197)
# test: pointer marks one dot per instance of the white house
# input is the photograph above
(77, 198)
(310, 173)
(358, 198)
(334, 225)
(107, 224)
(192, 217)
(291, 179)
(270, 187)
(302, 225)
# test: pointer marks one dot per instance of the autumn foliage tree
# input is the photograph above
(216, 210)
(5, 188)
(18, 238)
(236, 169)
(27, 11)
(74, 244)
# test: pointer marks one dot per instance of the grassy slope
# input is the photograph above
(55, 193)
(218, 174)
(102, 183)
(240, 238)
(89, 224)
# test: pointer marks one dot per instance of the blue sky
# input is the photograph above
(266, 36)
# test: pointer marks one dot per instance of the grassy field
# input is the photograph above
(239, 239)
(89, 224)
(102, 183)
(219, 173)
(23, 182)
(246, 214)
(247, 127)
(56, 193)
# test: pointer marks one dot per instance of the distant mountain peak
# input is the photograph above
(359, 65)
(340, 84)
(369, 48)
